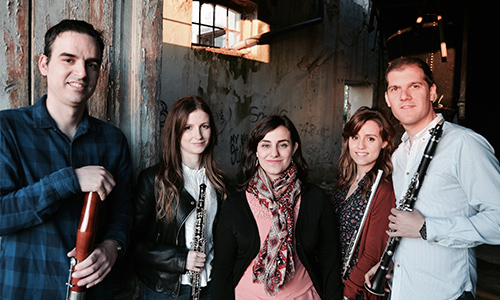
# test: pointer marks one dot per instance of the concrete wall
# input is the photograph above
(303, 79)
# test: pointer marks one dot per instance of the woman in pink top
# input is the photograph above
(275, 239)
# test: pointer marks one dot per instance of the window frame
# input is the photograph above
(216, 29)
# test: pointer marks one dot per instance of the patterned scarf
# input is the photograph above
(274, 264)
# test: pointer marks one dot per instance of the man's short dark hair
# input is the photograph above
(75, 26)
(402, 62)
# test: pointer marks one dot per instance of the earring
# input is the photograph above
(257, 162)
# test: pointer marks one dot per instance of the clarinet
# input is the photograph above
(84, 243)
(199, 239)
(354, 241)
(406, 204)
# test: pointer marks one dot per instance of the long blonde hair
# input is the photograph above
(169, 179)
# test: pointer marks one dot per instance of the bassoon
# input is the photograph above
(406, 204)
(84, 243)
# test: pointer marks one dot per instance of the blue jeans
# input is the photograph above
(185, 294)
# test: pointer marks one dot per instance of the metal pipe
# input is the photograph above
(265, 38)
(463, 69)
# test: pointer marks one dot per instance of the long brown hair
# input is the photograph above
(346, 163)
(169, 178)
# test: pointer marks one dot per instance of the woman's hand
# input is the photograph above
(195, 261)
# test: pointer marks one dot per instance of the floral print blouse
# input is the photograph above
(349, 212)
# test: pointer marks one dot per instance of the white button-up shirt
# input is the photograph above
(460, 200)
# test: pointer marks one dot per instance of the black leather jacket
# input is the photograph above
(160, 250)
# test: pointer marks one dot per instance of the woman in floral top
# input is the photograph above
(368, 145)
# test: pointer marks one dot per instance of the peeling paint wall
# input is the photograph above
(128, 90)
(14, 54)
(304, 77)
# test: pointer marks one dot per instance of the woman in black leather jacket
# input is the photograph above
(165, 202)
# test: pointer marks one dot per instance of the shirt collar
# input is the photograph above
(423, 134)
(43, 119)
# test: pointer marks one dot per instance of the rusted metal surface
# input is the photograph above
(14, 56)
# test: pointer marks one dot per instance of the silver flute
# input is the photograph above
(354, 241)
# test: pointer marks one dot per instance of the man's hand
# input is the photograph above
(95, 179)
(369, 275)
(97, 265)
(405, 223)
(195, 261)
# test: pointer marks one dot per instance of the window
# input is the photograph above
(222, 26)
(356, 95)
(215, 25)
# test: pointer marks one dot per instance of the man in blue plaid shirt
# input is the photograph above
(50, 154)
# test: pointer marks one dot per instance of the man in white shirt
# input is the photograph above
(458, 205)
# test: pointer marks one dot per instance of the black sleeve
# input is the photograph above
(225, 253)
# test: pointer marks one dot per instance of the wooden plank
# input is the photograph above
(44, 14)
(145, 69)
(100, 15)
(14, 56)
(128, 91)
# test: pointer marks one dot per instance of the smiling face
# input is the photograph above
(196, 135)
(275, 152)
(72, 70)
(410, 98)
(365, 146)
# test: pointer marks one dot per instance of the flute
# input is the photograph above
(84, 243)
(354, 241)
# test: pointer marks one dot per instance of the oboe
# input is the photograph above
(354, 241)
(84, 243)
(406, 204)
(199, 239)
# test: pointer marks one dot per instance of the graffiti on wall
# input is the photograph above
(256, 113)
(222, 118)
(314, 143)
(237, 142)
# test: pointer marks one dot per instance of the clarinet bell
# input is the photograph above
(378, 283)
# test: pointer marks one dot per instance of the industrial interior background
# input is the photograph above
(309, 55)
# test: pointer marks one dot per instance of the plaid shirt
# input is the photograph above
(41, 199)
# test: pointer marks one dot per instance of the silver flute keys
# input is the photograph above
(354, 240)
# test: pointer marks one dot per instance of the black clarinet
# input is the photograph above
(406, 204)
(199, 239)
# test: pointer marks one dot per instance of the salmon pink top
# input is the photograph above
(299, 288)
